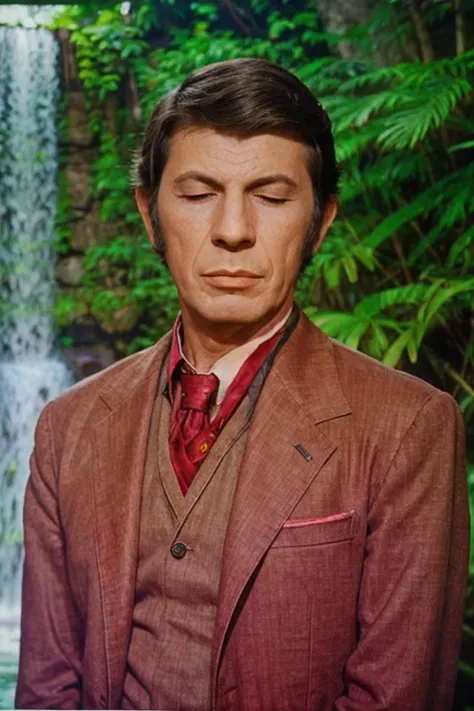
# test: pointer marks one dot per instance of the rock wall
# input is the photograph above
(94, 342)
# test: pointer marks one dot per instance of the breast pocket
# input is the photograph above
(318, 531)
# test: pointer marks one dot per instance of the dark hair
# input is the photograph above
(242, 97)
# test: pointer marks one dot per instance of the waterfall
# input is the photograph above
(30, 373)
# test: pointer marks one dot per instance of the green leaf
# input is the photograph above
(429, 310)
(332, 322)
(378, 344)
(410, 125)
(333, 275)
(425, 201)
(350, 267)
(412, 350)
(463, 246)
(353, 337)
(373, 304)
(395, 352)
(462, 146)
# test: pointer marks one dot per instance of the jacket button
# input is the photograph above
(179, 549)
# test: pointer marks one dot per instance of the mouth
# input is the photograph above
(224, 279)
(227, 273)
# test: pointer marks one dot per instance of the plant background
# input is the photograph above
(395, 275)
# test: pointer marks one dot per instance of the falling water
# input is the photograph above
(30, 374)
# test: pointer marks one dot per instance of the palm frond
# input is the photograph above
(466, 145)
(400, 344)
(385, 76)
(455, 210)
(352, 143)
(359, 109)
(407, 295)
(425, 201)
(440, 296)
(408, 126)
(386, 176)
(462, 250)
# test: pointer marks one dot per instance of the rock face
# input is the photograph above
(121, 320)
(70, 270)
(79, 130)
(77, 172)
(90, 230)
(95, 336)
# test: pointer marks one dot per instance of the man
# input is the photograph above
(247, 515)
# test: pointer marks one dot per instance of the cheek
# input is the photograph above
(177, 226)
(183, 235)
(175, 219)
(284, 245)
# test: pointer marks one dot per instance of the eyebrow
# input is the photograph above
(258, 183)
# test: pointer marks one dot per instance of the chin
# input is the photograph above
(231, 309)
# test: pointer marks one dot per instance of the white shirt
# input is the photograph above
(227, 367)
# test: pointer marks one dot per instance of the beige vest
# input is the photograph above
(169, 660)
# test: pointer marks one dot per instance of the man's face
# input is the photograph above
(234, 213)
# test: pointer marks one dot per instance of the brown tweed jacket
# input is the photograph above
(346, 556)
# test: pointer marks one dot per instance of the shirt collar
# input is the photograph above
(226, 367)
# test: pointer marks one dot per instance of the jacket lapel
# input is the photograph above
(119, 445)
(301, 391)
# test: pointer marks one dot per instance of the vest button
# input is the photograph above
(179, 549)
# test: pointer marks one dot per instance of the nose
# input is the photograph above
(233, 228)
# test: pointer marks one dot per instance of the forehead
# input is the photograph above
(230, 156)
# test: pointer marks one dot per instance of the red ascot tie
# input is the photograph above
(192, 434)
(198, 395)
(190, 430)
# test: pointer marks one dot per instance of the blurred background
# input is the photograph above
(79, 284)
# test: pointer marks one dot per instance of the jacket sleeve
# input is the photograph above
(415, 572)
(49, 671)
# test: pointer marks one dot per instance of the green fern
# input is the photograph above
(426, 201)
(428, 112)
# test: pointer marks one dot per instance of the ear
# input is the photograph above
(329, 215)
(143, 203)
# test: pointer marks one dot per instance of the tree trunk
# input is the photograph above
(424, 39)
(460, 31)
(339, 15)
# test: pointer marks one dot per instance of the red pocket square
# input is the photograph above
(297, 522)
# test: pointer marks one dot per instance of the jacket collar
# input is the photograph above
(306, 367)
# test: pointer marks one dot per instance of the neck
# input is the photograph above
(204, 342)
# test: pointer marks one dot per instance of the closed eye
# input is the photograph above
(265, 198)
(273, 200)
(196, 198)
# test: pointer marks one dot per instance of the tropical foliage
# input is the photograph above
(395, 276)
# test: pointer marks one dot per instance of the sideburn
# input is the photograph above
(311, 236)
(159, 246)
